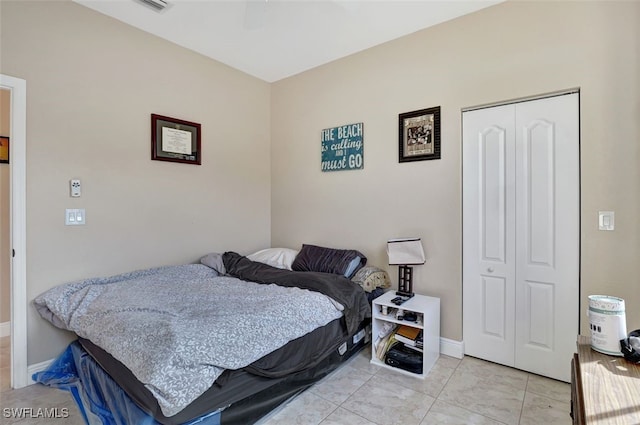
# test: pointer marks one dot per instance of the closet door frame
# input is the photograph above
(532, 345)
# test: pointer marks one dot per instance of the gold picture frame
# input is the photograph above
(4, 150)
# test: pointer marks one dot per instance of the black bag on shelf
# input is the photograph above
(405, 358)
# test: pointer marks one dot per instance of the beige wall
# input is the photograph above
(511, 50)
(92, 83)
(5, 235)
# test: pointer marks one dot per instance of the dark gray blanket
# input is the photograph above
(337, 287)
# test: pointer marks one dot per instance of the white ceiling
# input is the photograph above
(274, 39)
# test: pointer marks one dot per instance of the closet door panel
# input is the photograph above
(521, 235)
(492, 175)
(547, 234)
(488, 211)
(538, 173)
(494, 307)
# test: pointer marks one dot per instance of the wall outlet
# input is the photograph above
(76, 188)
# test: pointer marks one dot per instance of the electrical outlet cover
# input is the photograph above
(606, 220)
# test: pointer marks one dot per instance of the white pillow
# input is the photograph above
(281, 258)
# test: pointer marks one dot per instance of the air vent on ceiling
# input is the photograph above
(157, 5)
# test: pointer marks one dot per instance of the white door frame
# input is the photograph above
(18, 172)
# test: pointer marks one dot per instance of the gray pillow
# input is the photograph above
(214, 260)
(313, 258)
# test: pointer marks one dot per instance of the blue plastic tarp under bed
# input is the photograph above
(99, 398)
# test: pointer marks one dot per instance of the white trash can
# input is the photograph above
(608, 323)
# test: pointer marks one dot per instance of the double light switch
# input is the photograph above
(74, 216)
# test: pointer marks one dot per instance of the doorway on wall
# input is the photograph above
(17, 175)
(521, 232)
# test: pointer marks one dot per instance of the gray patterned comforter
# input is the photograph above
(177, 328)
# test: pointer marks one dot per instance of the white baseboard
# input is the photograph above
(38, 367)
(5, 329)
(452, 348)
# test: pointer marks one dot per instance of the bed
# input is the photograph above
(221, 342)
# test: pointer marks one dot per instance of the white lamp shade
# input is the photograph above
(405, 251)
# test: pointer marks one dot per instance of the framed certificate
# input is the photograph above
(175, 140)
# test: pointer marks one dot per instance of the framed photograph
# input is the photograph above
(4, 150)
(419, 135)
(175, 140)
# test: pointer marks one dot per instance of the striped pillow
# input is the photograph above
(312, 258)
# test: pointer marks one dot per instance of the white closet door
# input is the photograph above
(547, 234)
(488, 222)
(521, 234)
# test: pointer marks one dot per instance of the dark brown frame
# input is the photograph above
(404, 119)
(3, 140)
(157, 153)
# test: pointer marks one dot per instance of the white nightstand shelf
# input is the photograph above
(428, 311)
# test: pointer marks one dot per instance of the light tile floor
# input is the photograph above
(468, 391)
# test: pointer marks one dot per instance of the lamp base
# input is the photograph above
(405, 281)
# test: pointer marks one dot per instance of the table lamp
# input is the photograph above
(405, 252)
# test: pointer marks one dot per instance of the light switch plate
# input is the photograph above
(606, 220)
(74, 217)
